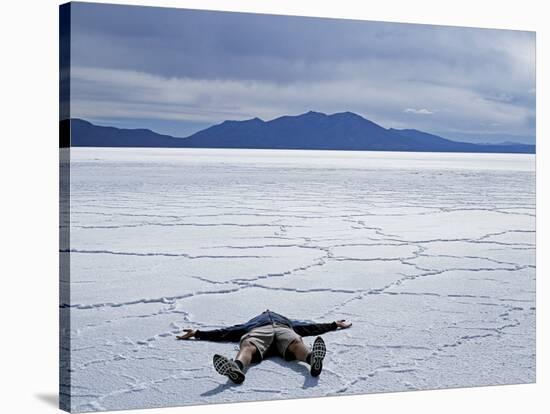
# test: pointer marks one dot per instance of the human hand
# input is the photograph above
(189, 333)
(342, 324)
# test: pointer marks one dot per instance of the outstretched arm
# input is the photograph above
(229, 334)
(310, 329)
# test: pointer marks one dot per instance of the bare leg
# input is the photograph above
(299, 349)
(246, 352)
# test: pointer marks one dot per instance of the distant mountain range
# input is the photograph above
(312, 130)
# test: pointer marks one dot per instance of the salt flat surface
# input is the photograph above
(431, 256)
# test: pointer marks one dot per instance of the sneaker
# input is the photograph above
(318, 352)
(229, 368)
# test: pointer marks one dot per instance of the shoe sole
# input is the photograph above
(228, 368)
(318, 353)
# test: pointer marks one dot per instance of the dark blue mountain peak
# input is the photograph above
(353, 119)
(313, 113)
(310, 115)
(347, 114)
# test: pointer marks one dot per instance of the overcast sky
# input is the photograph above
(177, 71)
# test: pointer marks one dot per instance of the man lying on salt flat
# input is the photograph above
(268, 334)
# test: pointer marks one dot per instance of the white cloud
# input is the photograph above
(422, 111)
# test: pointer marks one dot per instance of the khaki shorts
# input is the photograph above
(273, 338)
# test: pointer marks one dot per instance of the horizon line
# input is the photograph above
(298, 115)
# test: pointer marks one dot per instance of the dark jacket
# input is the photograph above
(234, 333)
